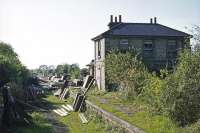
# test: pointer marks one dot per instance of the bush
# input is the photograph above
(152, 91)
(125, 70)
(177, 94)
(182, 93)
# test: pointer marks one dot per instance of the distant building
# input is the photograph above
(157, 44)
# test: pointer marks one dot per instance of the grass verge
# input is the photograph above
(135, 113)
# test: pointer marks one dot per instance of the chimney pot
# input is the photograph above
(155, 20)
(151, 20)
(115, 19)
(120, 18)
(111, 18)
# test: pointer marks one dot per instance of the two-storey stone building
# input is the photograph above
(158, 44)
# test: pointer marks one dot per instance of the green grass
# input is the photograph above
(73, 122)
(142, 116)
(75, 126)
(54, 100)
(40, 125)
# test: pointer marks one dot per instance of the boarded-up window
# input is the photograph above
(171, 49)
(171, 45)
(99, 49)
(123, 42)
(148, 48)
(123, 45)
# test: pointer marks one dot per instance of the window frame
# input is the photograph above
(148, 48)
(99, 49)
(172, 49)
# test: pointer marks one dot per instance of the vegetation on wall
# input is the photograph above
(175, 94)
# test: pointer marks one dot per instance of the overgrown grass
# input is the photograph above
(141, 115)
(40, 125)
(73, 122)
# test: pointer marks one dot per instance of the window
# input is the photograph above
(99, 49)
(123, 45)
(171, 49)
(171, 45)
(148, 48)
(124, 41)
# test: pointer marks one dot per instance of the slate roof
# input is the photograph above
(142, 29)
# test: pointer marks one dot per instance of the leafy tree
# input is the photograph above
(51, 70)
(182, 93)
(196, 36)
(11, 69)
(74, 71)
(43, 69)
(84, 72)
(59, 69)
(126, 71)
(66, 68)
(62, 69)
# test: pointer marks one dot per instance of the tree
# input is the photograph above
(182, 93)
(59, 69)
(51, 70)
(84, 72)
(43, 69)
(11, 69)
(66, 68)
(126, 71)
(196, 36)
(74, 71)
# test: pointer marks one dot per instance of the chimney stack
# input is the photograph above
(151, 20)
(155, 20)
(114, 20)
(120, 18)
(111, 18)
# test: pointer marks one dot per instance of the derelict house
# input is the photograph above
(157, 44)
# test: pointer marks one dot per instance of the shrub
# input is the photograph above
(177, 93)
(182, 93)
(125, 70)
(152, 91)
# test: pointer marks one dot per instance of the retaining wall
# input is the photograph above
(110, 118)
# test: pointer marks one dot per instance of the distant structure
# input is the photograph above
(157, 44)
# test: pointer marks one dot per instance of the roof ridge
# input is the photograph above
(140, 23)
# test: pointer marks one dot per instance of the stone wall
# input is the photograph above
(119, 125)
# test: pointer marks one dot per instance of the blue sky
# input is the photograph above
(60, 31)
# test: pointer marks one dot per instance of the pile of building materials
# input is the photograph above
(79, 101)
(63, 110)
(80, 97)
(64, 94)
